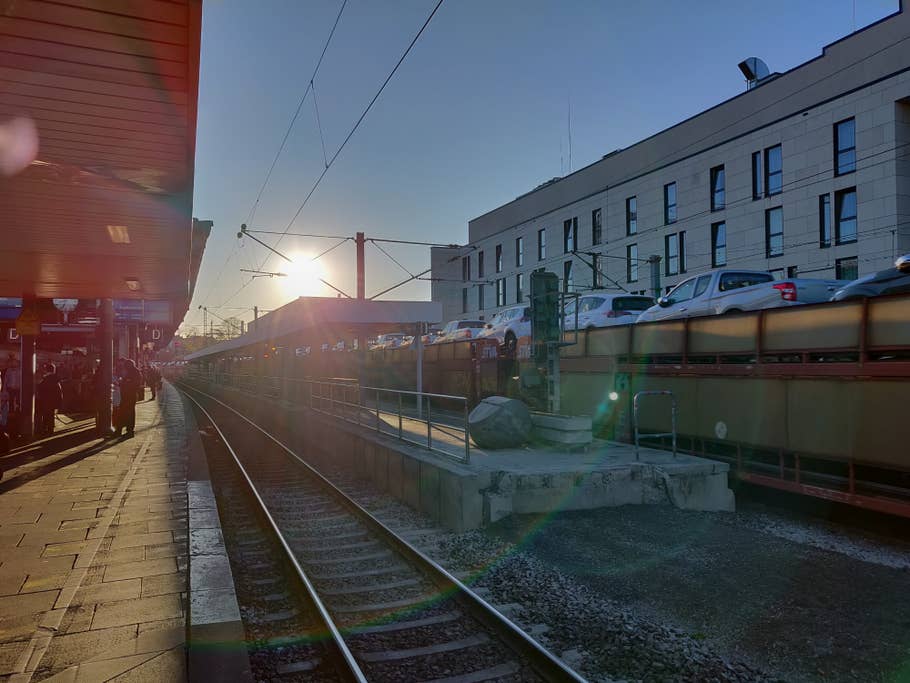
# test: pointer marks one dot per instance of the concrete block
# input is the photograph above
(396, 474)
(429, 490)
(410, 482)
(380, 468)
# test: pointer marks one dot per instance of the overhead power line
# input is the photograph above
(363, 115)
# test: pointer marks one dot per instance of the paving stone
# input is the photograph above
(136, 611)
(132, 540)
(165, 550)
(107, 592)
(161, 585)
(70, 649)
(131, 570)
(44, 582)
(60, 549)
(9, 655)
(29, 603)
(167, 666)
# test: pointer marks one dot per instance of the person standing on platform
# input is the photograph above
(48, 398)
(130, 385)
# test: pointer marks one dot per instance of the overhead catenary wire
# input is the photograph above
(353, 130)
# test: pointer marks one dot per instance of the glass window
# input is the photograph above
(464, 300)
(774, 171)
(631, 215)
(569, 235)
(702, 284)
(465, 268)
(671, 255)
(541, 244)
(846, 268)
(824, 221)
(519, 252)
(845, 147)
(774, 232)
(669, 203)
(632, 303)
(777, 273)
(501, 291)
(519, 288)
(845, 216)
(632, 263)
(590, 303)
(568, 279)
(756, 176)
(596, 265)
(480, 264)
(480, 297)
(718, 245)
(792, 271)
(718, 188)
(729, 281)
(498, 258)
(683, 292)
(596, 226)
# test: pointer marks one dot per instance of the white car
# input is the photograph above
(389, 341)
(461, 329)
(508, 326)
(603, 310)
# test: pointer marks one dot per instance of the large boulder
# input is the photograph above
(500, 422)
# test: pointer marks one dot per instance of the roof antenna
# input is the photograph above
(569, 102)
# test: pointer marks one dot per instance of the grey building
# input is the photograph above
(805, 173)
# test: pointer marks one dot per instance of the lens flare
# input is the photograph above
(303, 276)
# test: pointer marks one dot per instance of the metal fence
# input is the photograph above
(437, 422)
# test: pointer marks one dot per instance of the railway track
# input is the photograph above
(389, 613)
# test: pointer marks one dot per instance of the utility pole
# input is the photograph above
(360, 240)
(255, 313)
(205, 322)
(654, 260)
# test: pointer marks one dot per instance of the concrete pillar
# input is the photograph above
(27, 391)
(106, 344)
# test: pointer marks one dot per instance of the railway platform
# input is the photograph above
(101, 543)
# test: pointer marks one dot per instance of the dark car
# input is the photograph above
(891, 281)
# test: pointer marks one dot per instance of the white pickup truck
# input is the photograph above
(734, 291)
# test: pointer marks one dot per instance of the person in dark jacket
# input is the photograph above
(48, 398)
(130, 384)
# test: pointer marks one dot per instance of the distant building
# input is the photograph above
(805, 173)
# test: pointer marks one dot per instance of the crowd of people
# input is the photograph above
(128, 385)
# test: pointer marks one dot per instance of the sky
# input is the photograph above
(476, 115)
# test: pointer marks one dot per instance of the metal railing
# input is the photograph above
(442, 418)
(674, 410)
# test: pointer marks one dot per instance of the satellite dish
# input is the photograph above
(754, 69)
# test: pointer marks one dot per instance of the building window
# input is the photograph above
(675, 253)
(846, 268)
(631, 215)
(498, 258)
(718, 245)
(792, 271)
(519, 252)
(479, 264)
(845, 147)
(845, 216)
(756, 176)
(596, 263)
(480, 297)
(569, 235)
(464, 300)
(718, 188)
(774, 232)
(824, 221)
(774, 171)
(568, 279)
(501, 292)
(519, 288)
(541, 244)
(669, 203)
(777, 273)
(596, 226)
(632, 263)
(465, 268)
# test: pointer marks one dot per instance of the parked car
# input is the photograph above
(389, 341)
(461, 329)
(894, 280)
(603, 310)
(735, 291)
(508, 326)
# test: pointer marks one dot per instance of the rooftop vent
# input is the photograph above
(755, 71)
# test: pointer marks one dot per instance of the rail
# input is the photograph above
(440, 419)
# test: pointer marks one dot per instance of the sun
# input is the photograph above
(303, 276)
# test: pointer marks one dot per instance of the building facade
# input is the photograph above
(805, 174)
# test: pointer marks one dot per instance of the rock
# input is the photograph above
(500, 422)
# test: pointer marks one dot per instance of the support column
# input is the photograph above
(27, 390)
(106, 367)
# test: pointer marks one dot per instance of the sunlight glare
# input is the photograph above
(302, 276)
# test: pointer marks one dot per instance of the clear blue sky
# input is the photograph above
(475, 116)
